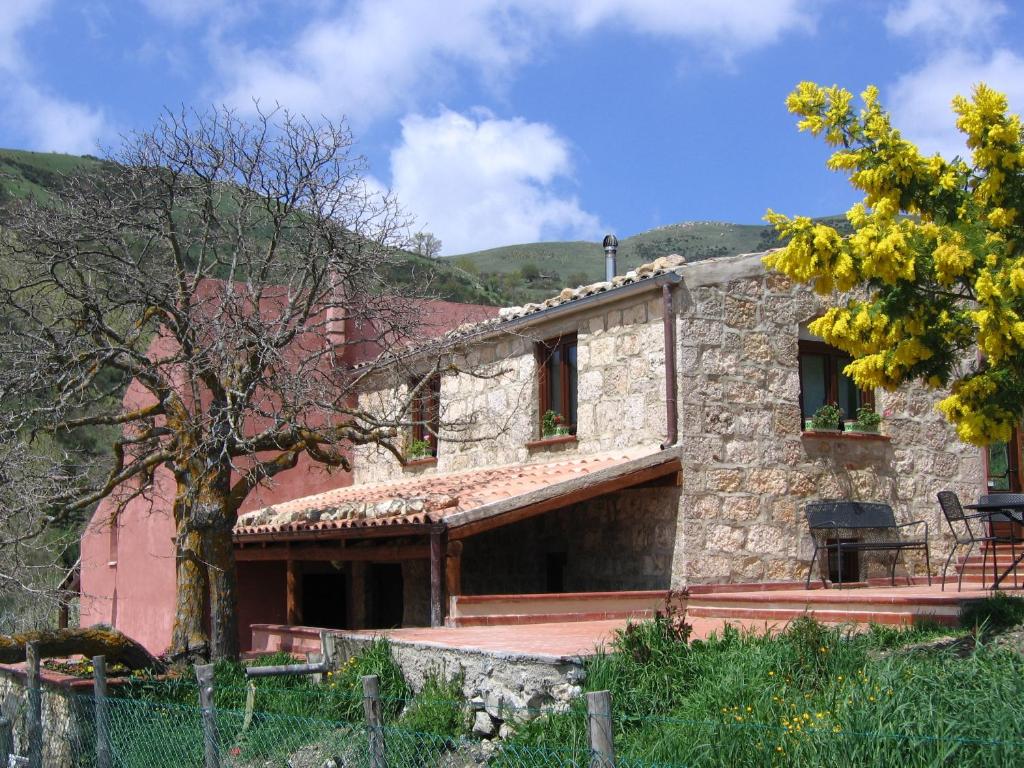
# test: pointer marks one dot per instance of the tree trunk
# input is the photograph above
(189, 637)
(89, 641)
(220, 562)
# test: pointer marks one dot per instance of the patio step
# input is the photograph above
(832, 606)
(495, 620)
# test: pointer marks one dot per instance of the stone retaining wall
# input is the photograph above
(63, 742)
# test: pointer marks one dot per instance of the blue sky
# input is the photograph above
(504, 121)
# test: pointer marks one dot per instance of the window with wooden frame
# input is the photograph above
(822, 381)
(556, 366)
(426, 415)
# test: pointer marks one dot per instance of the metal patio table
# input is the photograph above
(1011, 507)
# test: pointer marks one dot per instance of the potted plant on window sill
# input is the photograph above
(828, 418)
(868, 421)
(551, 425)
(419, 450)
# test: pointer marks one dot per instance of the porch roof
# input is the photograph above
(463, 502)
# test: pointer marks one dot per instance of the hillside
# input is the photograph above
(533, 271)
(40, 174)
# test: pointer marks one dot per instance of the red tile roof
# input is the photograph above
(455, 498)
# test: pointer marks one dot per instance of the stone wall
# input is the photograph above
(621, 397)
(623, 541)
(63, 741)
(747, 467)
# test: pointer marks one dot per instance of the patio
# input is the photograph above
(755, 607)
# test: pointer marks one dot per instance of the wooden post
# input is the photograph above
(6, 739)
(293, 585)
(211, 749)
(453, 573)
(375, 733)
(438, 540)
(34, 716)
(99, 690)
(316, 658)
(599, 728)
(329, 649)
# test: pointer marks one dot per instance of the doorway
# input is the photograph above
(325, 600)
(386, 596)
(1002, 465)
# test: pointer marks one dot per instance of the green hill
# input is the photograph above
(533, 271)
(40, 174)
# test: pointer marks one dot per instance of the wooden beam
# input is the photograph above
(438, 545)
(453, 570)
(293, 586)
(384, 553)
(337, 534)
(481, 521)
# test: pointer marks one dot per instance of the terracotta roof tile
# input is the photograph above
(419, 500)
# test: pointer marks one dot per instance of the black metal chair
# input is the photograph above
(964, 535)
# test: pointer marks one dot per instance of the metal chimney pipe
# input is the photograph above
(611, 248)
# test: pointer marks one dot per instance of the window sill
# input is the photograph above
(426, 461)
(835, 434)
(554, 440)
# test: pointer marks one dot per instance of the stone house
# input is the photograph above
(617, 440)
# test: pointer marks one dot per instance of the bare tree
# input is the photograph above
(214, 262)
(35, 556)
(426, 244)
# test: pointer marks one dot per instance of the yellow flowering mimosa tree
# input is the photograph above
(935, 249)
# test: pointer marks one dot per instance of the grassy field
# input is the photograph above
(811, 696)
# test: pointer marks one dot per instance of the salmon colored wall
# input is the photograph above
(134, 591)
(130, 586)
(262, 597)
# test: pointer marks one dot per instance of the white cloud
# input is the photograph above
(16, 16)
(920, 101)
(49, 123)
(945, 19)
(480, 182)
(380, 56)
(42, 120)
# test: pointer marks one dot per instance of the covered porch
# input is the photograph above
(594, 534)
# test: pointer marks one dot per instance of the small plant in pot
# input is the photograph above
(867, 420)
(828, 418)
(551, 425)
(419, 449)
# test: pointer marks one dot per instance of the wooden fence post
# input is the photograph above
(371, 707)
(6, 739)
(329, 649)
(599, 728)
(211, 750)
(99, 691)
(34, 717)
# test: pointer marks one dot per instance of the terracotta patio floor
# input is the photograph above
(755, 610)
(565, 639)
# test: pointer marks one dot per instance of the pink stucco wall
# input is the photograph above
(128, 574)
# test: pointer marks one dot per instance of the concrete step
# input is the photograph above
(497, 620)
(830, 606)
(786, 615)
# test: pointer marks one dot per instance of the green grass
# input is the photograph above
(993, 614)
(813, 696)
